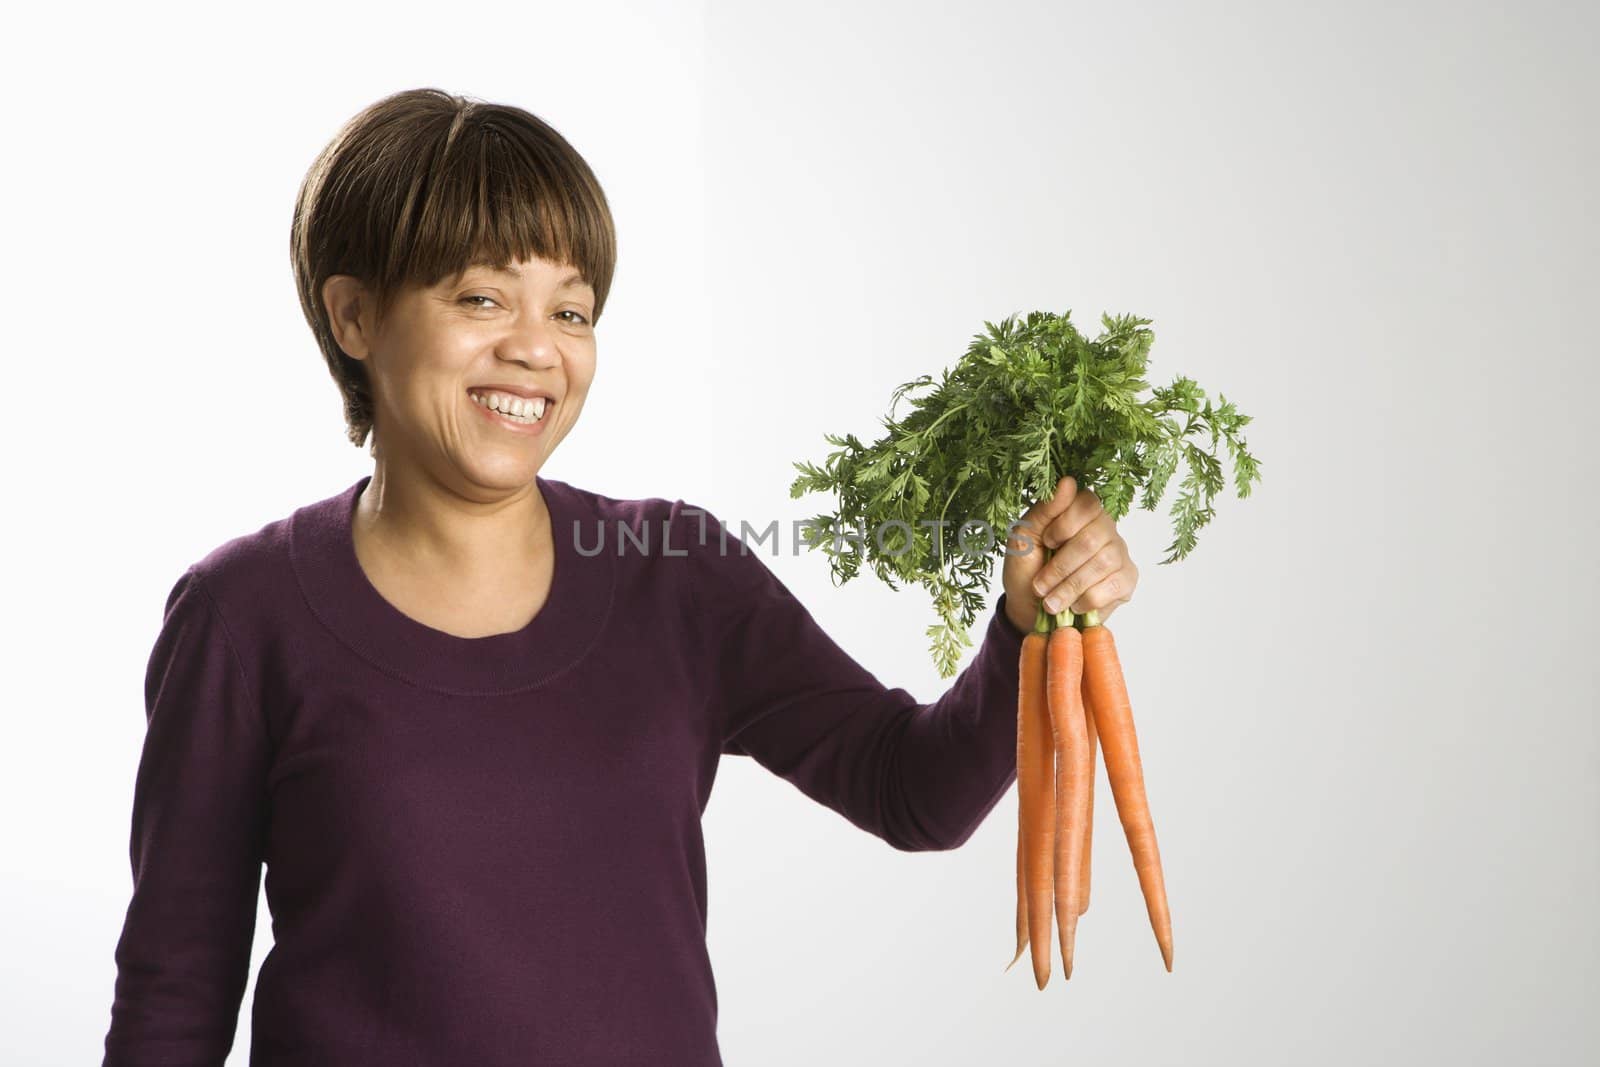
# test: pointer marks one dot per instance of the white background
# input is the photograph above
(1366, 701)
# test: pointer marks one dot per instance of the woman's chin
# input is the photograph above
(503, 466)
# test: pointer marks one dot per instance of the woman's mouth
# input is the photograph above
(512, 412)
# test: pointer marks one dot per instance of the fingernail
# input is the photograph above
(1040, 588)
(1052, 605)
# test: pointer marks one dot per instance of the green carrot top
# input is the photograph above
(933, 500)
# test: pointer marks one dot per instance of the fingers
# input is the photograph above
(1083, 509)
(1082, 546)
(1046, 512)
(1089, 569)
(1100, 579)
(1104, 596)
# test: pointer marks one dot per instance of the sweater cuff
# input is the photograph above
(1002, 628)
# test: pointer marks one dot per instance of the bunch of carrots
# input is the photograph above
(1031, 399)
(1073, 699)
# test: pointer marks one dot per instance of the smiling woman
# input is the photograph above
(424, 188)
(472, 757)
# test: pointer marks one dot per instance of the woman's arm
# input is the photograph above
(920, 776)
(196, 845)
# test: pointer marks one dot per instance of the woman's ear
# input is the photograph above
(345, 300)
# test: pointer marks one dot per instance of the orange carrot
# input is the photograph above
(1113, 714)
(1088, 819)
(1064, 662)
(1035, 794)
(1022, 885)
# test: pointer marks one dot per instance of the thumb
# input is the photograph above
(1030, 529)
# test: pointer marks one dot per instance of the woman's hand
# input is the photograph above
(1067, 550)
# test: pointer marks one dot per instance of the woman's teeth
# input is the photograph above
(512, 407)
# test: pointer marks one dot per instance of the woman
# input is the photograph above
(472, 749)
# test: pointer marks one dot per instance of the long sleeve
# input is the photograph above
(196, 846)
(919, 776)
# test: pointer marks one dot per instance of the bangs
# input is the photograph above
(493, 198)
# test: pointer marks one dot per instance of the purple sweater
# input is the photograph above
(488, 851)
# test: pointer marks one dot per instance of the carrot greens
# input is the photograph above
(933, 500)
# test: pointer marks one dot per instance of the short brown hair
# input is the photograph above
(423, 183)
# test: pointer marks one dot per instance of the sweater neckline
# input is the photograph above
(339, 593)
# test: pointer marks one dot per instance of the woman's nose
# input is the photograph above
(531, 343)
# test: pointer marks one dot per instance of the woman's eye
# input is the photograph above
(479, 296)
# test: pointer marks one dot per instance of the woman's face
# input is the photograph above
(442, 350)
